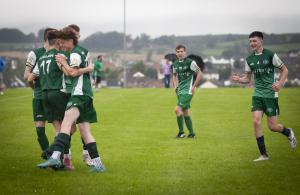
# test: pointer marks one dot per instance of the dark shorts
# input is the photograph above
(268, 105)
(38, 110)
(85, 106)
(55, 103)
(97, 79)
(184, 101)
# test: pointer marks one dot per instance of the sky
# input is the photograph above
(154, 17)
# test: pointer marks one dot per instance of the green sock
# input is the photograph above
(189, 124)
(180, 123)
(42, 138)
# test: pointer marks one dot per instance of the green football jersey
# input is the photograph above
(184, 70)
(81, 85)
(98, 69)
(263, 67)
(49, 72)
(31, 61)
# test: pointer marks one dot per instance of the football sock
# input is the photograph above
(61, 142)
(93, 152)
(180, 123)
(261, 145)
(56, 155)
(189, 124)
(83, 144)
(286, 131)
(42, 138)
(67, 150)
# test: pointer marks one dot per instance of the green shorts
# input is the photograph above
(268, 105)
(85, 106)
(38, 110)
(55, 103)
(184, 101)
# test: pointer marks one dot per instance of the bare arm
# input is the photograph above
(283, 75)
(87, 69)
(196, 81)
(73, 72)
(27, 72)
(244, 79)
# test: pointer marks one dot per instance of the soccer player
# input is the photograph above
(97, 74)
(85, 154)
(262, 63)
(183, 73)
(37, 105)
(80, 106)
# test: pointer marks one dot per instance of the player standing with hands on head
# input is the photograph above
(183, 74)
(262, 64)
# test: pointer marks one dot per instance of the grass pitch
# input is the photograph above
(136, 138)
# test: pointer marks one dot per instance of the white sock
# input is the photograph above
(68, 156)
(97, 162)
(56, 155)
(85, 152)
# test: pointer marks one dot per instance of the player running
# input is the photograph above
(262, 63)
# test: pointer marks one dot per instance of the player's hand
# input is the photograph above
(91, 67)
(193, 90)
(235, 78)
(60, 59)
(276, 86)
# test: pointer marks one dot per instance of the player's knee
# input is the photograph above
(256, 121)
(272, 126)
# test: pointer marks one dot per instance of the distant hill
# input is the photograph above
(227, 45)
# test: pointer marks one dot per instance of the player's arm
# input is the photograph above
(244, 79)
(32, 76)
(87, 69)
(283, 72)
(174, 79)
(194, 67)
(30, 62)
(72, 69)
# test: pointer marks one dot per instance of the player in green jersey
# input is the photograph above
(98, 72)
(262, 63)
(183, 73)
(37, 106)
(85, 154)
(80, 106)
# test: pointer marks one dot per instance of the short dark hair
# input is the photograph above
(180, 47)
(68, 33)
(53, 36)
(256, 34)
(46, 31)
(75, 27)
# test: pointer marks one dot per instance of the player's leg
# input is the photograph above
(288, 132)
(272, 111)
(256, 118)
(39, 122)
(188, 122)
(97, 165)
(85, 154)
(179, 115)
(257, 114)
(62, 140)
